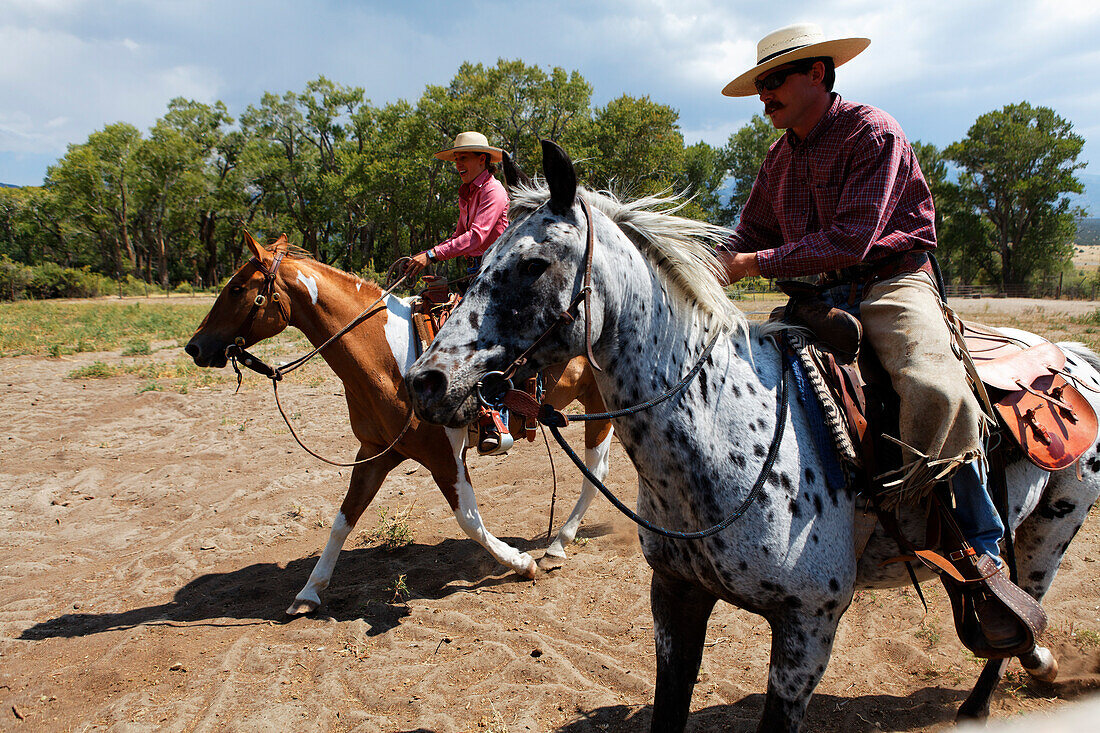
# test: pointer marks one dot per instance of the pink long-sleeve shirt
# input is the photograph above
(482, 217)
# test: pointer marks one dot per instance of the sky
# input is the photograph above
(70, 67)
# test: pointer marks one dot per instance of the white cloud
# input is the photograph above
(68, 67)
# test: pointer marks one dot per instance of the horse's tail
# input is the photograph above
(1078, 349)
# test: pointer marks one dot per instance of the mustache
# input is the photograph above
(772, 107)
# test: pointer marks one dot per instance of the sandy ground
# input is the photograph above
(150, 540)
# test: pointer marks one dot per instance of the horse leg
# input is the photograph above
(460, 494)
(366, 478)
(597, 452)
(680, 614)
(801, 645)
(1041, 541)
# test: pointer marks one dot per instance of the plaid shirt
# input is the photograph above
(851, 192)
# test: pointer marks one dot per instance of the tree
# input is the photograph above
(742, 157)
(93, 182)
(1018, 166)
(512, 104)
(636, 147)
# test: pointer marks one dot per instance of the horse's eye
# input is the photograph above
(533, 268)
(236, 289)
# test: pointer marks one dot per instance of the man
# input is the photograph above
(841, 195)
(482, 218)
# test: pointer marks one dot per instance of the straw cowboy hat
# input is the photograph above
(793, 43)
(470, 142)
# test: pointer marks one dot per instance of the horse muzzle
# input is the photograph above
(206, 352)
(436, 399)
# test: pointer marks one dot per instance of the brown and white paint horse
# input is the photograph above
(371, 361)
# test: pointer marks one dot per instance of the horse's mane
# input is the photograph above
(294, 252)
(680, 249)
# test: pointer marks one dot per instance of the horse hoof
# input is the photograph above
(530, 568)
(1040, 664)
(550, 562)
(301, 607)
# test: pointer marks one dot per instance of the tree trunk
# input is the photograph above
(207, 220)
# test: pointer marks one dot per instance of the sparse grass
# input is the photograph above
(51, 328)
(399, 588)
(929, 634)
(1086, 638)
(137, 347)
(393, 531)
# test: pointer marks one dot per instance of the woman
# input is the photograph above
(482, 217)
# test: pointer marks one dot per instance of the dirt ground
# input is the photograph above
(150, 541)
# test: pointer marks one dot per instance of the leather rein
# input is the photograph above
(236, 352)
(503, 393)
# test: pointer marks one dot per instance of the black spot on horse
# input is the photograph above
(1037, 575)
(1057, 510)
(810, 475)
(759, 450)
(737, 459)
(475, 319)
(793, 506)
(769, 586)
(834, 586)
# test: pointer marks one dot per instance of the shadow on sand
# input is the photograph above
(361, 586)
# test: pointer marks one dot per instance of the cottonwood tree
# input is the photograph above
(1018, 166)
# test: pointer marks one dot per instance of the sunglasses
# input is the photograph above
(776, 79)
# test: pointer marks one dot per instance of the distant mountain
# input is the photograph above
(1090, 199)
(9, 185)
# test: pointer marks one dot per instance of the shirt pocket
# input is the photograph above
(826, 198)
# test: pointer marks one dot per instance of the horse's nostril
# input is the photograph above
(191, 349)
(429, 384)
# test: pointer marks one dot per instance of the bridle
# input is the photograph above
(267, 292)
(504, 394)
(236, 351)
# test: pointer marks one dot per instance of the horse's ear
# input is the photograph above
(560, 175)
(257, 251)
(513, 176)
(282, 244)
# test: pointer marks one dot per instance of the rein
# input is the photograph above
(236, 351)
(526, 405)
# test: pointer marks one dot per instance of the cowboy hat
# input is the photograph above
(470, 142)
(793, 43)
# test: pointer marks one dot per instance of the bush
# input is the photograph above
(14, 277)
(51, 280)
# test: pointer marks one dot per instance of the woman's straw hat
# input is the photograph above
(470, 142)
(793, 43)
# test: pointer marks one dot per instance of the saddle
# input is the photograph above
(431, 309)
(1033, 397)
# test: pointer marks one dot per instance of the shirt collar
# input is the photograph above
(819, 129)
(467, 188)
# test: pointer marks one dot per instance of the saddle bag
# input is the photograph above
(1047, 417)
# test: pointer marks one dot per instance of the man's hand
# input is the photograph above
(415, 266)
(739, 265)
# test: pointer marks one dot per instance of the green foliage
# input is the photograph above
(358, 187)
(1018, 165)
(742, 157)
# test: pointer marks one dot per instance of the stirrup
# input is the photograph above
(493, 438)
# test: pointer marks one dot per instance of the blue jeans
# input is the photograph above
(977, 517)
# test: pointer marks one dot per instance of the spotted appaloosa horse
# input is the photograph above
(370, 360)
(656, 303)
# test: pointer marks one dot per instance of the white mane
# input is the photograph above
(681, 249)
